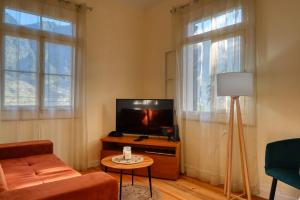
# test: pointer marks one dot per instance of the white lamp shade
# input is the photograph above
(235, 84)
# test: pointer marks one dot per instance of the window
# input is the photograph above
(38, 62)
(213, 45)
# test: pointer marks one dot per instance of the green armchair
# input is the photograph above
(282, 162)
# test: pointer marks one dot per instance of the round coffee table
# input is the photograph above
(147, 163)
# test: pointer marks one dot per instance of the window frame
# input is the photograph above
(41, 37)
(214, 35)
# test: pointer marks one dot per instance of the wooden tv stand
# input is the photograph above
(166, 154)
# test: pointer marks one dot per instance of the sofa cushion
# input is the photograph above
(46, 164)
(47, 178)
(3, 184)
(35, 170)
(49, 168)
(31, 160)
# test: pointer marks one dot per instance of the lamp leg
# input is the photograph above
(240, 130)
(227, 182)
(243, 150)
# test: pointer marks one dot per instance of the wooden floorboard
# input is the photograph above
(185, 188)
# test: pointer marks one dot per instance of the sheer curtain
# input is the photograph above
(211, 37)
(43, 76)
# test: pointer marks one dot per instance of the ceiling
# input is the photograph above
(143, 3)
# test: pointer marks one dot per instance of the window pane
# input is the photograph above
(58, 71)
(58, 91)
(202, 76)
(202, 62)
(227, 58)
(57, 26)
(201, 27)
(20, 54)
(227, 19)
(58, 59)
(227, 55)
(198, 77)
(20, 89)
(19, 18)
(20, 65)
(28, 20)
(215, 22)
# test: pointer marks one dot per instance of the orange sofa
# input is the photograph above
(30, 171)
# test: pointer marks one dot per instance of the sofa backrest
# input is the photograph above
(3, 184)
(23, 149)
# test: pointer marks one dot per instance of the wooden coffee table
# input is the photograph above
(147, 163)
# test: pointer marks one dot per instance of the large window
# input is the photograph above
(38, 60)
(213, 45)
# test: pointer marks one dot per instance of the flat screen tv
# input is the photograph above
(144, 116)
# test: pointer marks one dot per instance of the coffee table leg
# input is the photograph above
(149, 175)
(132, 177)
(105, 169)
(121, 174)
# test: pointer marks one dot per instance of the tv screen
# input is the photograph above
(144, 116)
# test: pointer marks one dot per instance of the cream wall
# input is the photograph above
(157, 41)
(278, 71)
(114, 56)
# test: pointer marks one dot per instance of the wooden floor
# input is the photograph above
(185, 188)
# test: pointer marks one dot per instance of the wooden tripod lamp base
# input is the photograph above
(243, 156)
(236, 84)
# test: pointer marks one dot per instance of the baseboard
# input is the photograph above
(264, 192)
(93, 163)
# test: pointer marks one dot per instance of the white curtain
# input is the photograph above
(43, 67)
(211, 37)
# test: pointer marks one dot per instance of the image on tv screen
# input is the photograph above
(144, 116)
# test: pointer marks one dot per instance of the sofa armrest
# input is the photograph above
(94, 186)
(23, 149)
(283, 154)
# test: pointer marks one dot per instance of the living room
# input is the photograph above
(132, 49)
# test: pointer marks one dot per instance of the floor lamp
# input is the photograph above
(236, 84)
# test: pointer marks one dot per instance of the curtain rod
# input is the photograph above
(176, 8)
(179, 7)
(75, 4)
